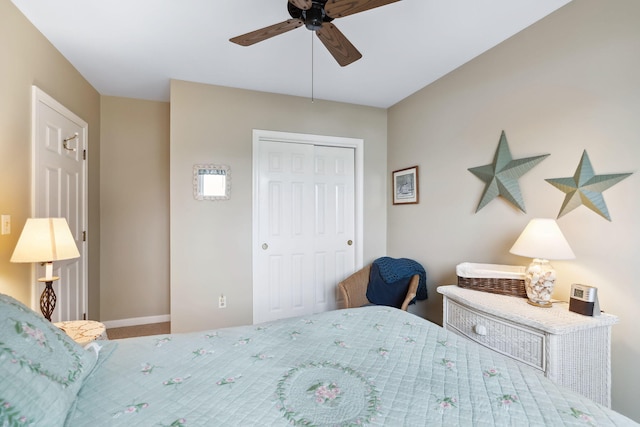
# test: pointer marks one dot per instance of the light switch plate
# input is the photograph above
(6, 224)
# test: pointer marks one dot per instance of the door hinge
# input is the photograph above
(84, 236)
(84, 154)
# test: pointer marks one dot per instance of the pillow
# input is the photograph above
(41, 368)
(380, 292)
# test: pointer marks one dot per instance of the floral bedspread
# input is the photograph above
(365, 366)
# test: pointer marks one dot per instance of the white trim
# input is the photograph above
(137, 321)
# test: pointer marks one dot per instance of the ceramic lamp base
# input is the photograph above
(540, 278)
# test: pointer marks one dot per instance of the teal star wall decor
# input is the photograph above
(501, 177)
(585, 188)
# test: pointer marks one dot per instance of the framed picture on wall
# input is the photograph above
(405, 186)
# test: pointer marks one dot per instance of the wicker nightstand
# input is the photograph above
(571, 349)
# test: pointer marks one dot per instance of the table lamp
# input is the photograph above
(541, 240)
(46, 240)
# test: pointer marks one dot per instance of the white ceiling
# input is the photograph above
(132, 48)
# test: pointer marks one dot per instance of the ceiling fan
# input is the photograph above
(317, 15)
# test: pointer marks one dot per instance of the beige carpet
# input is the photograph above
(139, 330)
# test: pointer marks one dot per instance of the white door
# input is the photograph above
(60, 191)
(304, 230)
(334, 225)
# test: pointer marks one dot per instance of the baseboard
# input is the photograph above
(137, 321)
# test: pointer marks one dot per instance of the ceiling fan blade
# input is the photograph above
(301, 4)
(337, 44)
(340, 8)
(267, 32)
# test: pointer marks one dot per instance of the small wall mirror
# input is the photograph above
(211, 182)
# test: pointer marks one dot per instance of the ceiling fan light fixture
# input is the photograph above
(314, 17)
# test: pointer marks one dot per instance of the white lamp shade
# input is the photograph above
(542, 239)
(45, 239)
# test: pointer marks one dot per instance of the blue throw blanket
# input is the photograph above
(392, 270)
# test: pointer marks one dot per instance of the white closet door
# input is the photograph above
(305, 227)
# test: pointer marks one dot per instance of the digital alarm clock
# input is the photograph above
(583, 299)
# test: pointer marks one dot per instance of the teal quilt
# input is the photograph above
(374, 366)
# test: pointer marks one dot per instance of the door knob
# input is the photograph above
(349, 242)
(265, 246)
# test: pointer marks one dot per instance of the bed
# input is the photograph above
(363, 366)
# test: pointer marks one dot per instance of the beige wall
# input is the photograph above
(28, 58)
(211, 241)
(568, 83)
(134, 210)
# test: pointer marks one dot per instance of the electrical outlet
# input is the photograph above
(222, 301)
(6, 224)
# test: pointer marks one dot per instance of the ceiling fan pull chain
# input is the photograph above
(312, 96)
